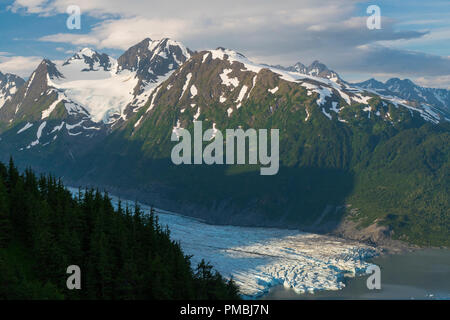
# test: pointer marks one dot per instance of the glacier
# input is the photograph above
(258, 259)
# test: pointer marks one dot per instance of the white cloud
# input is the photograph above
(275, 32)
(123, 33)
(30, 6)
(434, 82)
(200, 23)
(21, 66)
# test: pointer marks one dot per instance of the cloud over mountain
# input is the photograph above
(332, 31)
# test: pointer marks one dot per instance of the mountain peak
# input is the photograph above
(143, 45)
(372, 83)
(319, 66)
(49, 68)
(90, 60)
(9, 84)
(408, 90)
(398, 80)
(84, 53)
(300, 67)
(316, 69)
(153, 58)
(9, 77)
(316, 63)
(220, 52)
(87, 50)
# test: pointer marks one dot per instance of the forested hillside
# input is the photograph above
(123, 253)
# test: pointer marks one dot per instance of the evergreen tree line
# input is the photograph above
(122, 253)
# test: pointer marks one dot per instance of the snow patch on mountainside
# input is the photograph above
(197, 115)
(9, 84)
(26, 127)
(323, 92)
(194, 91)
(46, 113)
(58, 128)
(177, 128)
(327, 114)
(334, 107)
(38, 135)
(273, 91)
(226, 80)
(152, 103)
(222, 98)
(186, 84)
(242, 94)
(3, 100)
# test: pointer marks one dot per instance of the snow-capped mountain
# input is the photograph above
(91, 60)
(39, 98)
(408, 90)
(40, 112)
(9, 84)
(95, 119)
(91, 80)
(152, 61)
(92, 92)
(222, 82)
(315, 69)
(33, 96)
(101, 86)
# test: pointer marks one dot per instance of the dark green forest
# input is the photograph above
(123, 254)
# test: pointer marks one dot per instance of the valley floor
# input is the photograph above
(261, 258)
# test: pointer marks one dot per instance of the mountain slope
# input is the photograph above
(9, 84)
(40, 112)
(153, 61)
(122, 253)
(83, 98)
(406, 89)
(346, 153)
(218, 83)
(330, 155)
(91, 80)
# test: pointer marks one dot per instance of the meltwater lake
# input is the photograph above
(272, 263)
(422, 274)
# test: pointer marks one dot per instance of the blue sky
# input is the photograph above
(414, 41)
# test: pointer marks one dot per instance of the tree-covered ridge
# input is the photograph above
(123, 254)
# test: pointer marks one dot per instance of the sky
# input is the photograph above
(413, 41)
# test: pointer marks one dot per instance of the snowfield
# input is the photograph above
(260, 258)
(101, 92)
